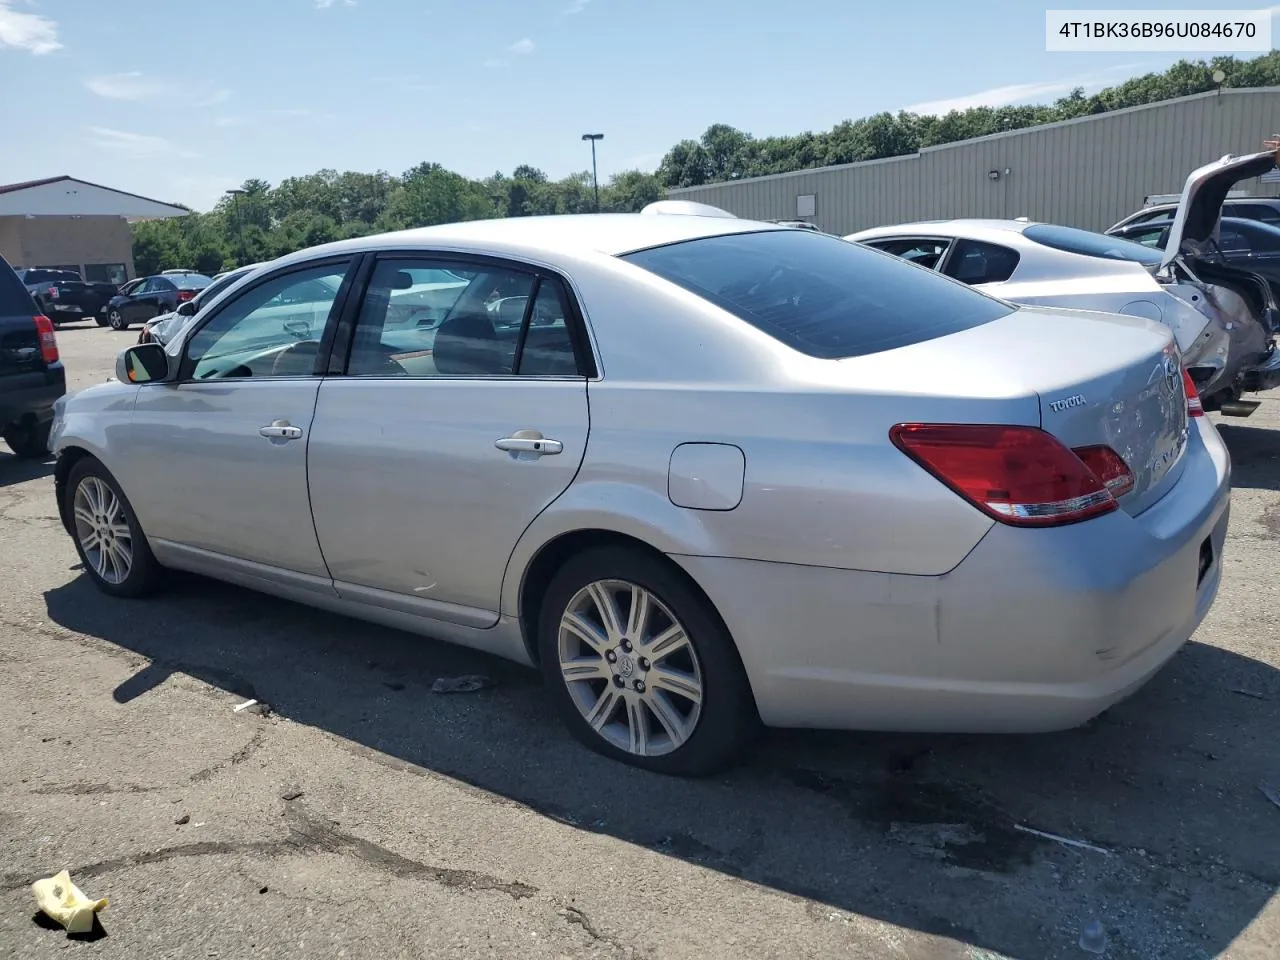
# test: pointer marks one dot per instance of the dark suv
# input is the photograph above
(31, 375)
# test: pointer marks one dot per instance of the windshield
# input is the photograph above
(1090, 244)
(819, 294)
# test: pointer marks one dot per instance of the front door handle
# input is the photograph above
(529, 442)
(280, 430)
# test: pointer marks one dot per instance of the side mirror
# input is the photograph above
(186, 309)
(142, 363)
(298, 329)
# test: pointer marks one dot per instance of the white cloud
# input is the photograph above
(576, 6)
(521, 48)
(27, 31)
(1024, 92)
(326, 4)
(134, 85)
(138, 146)
(125, 86)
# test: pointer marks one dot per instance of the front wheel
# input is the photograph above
(641, 667)
(117, 321)
(107, 534)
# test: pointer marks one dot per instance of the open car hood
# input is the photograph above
(1200, 206)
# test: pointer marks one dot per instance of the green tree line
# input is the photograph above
(268, 221)
(265, 221)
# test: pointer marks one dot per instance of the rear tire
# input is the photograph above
(107, 535)
(665, 691)
(30, 443)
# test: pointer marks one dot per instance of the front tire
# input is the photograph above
(30, 443)
(641, 667)
(116, 320)
(107, 534)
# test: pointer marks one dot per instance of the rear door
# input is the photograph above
(439, 441)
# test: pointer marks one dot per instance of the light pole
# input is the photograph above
(235, 193)
(595, 180)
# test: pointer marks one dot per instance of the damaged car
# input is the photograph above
(1223, 317)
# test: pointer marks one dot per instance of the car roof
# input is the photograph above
(612, 234)
(973, 228)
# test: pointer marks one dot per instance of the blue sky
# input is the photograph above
(178, 99)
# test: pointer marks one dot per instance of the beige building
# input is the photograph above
(1088, 172)
(72, 224)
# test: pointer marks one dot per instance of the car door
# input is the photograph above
(440, 443)
(216, 461)
(135, 307)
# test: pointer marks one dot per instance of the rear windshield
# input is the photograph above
(188, 281)
(49, 276)
(1090, 244)
(14, 299)
(821, 295)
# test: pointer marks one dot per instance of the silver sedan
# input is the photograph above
(704, 473)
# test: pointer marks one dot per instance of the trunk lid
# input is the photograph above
(1100, 378)
(1203, 194)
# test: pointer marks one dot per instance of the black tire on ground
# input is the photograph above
(729, 721)
(30, 443)
(100, 319)
(145, 574)
(117, 321)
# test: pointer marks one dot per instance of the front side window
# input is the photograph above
(430, 318)
(113, 273)
(976, 262)
(1088, 244)
(271, 330)
(821, 295)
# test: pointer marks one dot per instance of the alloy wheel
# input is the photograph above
(630, 668)
(102, 529)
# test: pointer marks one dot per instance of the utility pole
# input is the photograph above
(236, 193)
(595, 179)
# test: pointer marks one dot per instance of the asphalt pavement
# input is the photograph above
(365, 816)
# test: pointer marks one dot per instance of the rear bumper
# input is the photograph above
(30, 396)
(1035, 630)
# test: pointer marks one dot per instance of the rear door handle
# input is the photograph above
(538, 445)
(280, 430)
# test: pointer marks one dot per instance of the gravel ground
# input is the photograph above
(367, 817)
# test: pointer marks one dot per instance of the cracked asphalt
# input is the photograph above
(469, 825)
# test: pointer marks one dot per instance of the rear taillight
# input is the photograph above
(1109, 467)
(53, 293)
(185, 295)
(1195, 408)
(48, 342)
(1019, 475)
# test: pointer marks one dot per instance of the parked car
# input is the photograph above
(738, 473)
(1238, 242)
(160, 329)
(32, 377)
(1221, 343)
(62, 295)
(154, 296)
(1264, 209)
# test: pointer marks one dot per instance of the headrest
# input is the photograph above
(466, 345)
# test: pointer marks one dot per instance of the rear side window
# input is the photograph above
(14, 299)
(976, 262)
(1089, 244)
(821, 295)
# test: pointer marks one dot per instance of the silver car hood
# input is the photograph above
(1200, 206)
